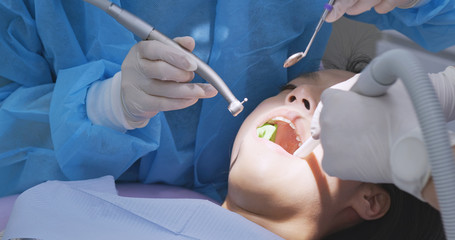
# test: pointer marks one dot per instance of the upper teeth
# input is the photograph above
(290, 124)
(284, 120)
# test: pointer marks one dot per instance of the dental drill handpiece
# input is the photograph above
(148, 32)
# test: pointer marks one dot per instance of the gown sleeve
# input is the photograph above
(431, 25)
(52, 51)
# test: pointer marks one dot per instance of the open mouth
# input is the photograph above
(282, 132)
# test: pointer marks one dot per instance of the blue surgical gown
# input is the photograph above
(52, 51)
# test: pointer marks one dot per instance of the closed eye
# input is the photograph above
(288, 86)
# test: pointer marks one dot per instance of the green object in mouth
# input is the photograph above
(267, 131)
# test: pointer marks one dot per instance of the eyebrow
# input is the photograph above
(288, 86)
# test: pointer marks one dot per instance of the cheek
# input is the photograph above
(268, 104)
(340, 190)
(315, 93)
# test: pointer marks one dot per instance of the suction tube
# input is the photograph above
(146, 31)
(375, 80)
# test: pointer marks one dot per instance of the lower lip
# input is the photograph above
(273, 146)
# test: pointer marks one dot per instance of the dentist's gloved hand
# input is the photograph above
(373, 139)
(155, 78)
(355, 7)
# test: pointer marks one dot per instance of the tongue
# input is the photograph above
(286, 137)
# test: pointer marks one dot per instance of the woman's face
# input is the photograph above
(265, 179)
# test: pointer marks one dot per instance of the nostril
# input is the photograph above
(292, 98)
(306, 103)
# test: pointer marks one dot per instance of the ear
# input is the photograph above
(371, 201)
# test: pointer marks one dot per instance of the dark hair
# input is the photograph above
(407, 218)
(354, 63)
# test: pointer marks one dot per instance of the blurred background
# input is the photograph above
(355, 38)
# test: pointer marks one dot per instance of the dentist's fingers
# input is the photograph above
(148, 106)
(386, 6)
(164, 71)
(186, 42)
(355, 7)
(155, 78)
(172, 89)
(155, 50)
(339, 8)
(362, 6)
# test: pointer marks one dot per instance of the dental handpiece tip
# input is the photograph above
(236, 107)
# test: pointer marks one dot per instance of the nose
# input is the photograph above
(298, 96)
